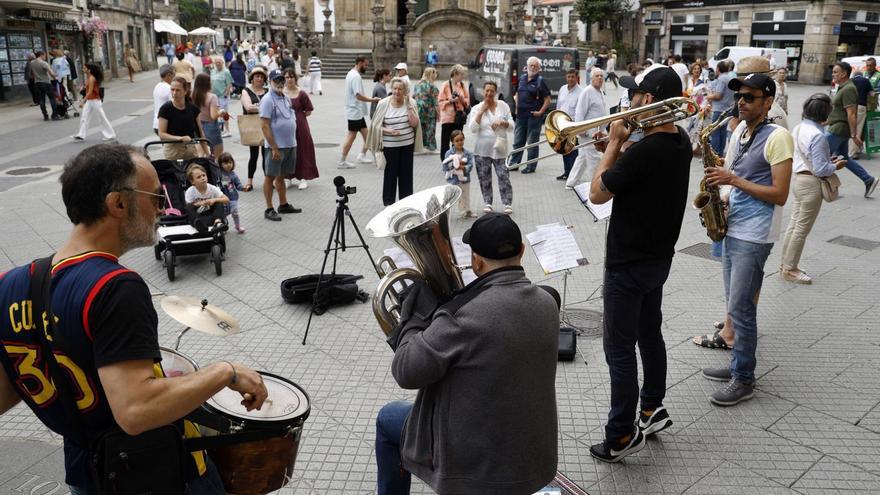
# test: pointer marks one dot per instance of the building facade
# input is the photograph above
(254, 19)
(129, 23)
(814, 33)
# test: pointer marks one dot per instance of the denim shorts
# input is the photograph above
(224, 103)
(212, 132)
(282, 167)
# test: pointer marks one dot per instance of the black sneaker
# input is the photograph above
(45, 118)
(271, 214)
(870, 186)
(615, 451)
(733, 393)
(717, 374)
(527, 170)
(287, 208)
(562, 177)
(655, 422)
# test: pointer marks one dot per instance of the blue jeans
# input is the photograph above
(718, 140)
(207, 484)
(633, 295)
(392, 479)
(742, 264)
(568, 162)
(527, 130)
(840, 146)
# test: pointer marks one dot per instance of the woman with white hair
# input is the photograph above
(396, 134)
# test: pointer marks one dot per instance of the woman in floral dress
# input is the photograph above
(426, 94)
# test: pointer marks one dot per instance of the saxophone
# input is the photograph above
(708, 200)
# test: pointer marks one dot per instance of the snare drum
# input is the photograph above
(263, 466)
(176, 363)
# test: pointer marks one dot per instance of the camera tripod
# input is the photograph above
(336, 243)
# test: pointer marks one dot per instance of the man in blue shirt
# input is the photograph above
(169, 51)
(531, 100)
(279, 128)
(722, 100)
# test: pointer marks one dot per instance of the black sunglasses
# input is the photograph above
(157, 197)
(748, 97)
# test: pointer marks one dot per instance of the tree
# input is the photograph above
(194, 13)
(606, 13)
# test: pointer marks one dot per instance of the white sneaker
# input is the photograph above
(303, 184)
(226, 134)
(364, 158)
(345, 164)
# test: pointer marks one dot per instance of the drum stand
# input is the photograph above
(337, 241)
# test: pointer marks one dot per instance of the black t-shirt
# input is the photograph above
(181, 122)
(650, 185)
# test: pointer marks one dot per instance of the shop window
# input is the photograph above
(701, 19)
(728, 40)
(850, 16)
(872, 17)
(679, 19)
(795, 15)
(655, 15)
(763, 17)
(731, 16)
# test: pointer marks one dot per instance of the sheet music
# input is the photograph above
(599, 212)
(462, 256)
(556, 248)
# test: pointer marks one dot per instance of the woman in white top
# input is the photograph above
(490, 121)
(812, 160)
(781, 94)
(395, 131)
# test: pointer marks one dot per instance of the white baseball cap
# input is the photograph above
(399, 66)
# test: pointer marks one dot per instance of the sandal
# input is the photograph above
(714, 341)
(248, 187)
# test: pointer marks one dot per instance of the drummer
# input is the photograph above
(105, 315)
(484, 419)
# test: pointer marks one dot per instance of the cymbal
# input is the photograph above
(199, 315)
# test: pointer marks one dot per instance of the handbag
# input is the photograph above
(250, 128)
(830, 185)
(501, 145)
(380, 159)
(120, 464)
(460, 115)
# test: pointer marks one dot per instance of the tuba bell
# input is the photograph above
(419, 224)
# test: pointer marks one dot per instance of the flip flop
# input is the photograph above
(714, 341)
(248, 187)
(718, 325)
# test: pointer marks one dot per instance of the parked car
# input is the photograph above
(778, 56)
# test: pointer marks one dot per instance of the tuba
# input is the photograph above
(708, 200)
(419, 224)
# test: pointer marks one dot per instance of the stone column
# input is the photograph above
(491, 7)
(378, 26)
(519, 14)
(328, 31)
(411, 13)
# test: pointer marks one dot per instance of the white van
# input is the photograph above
(778, 56)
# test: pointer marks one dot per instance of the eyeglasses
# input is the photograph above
(748, 97)
(157, 197)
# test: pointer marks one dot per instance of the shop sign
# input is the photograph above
(45, 14)
(779, 27)
(18, 23)
(690, 30)
(653, 22)
(689, 4)
(65, 26)
(859, 30)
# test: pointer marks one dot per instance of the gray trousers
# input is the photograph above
(484, 166)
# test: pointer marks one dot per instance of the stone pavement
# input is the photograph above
(813, 426)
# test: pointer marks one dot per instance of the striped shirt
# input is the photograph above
(314, 65)
(398, 119)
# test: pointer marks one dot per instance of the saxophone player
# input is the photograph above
(758, 169)
(641, 239)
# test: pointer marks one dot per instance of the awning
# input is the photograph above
(227, 19)
(167, 26)
(203, 31)
(276, 27)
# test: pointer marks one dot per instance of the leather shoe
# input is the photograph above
(562, 177)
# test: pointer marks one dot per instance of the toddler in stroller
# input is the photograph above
(204, 202)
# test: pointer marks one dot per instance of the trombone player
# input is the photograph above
(642, 234)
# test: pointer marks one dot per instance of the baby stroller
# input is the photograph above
(176, 236)
(63, 101)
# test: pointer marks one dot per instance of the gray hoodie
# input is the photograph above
(484, 420)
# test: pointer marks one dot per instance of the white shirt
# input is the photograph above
(189, 57)
(567, 100)
(591, 105)
(485, 145)
(354, 85)
(682, 72)
(161, 95)
(192, 194)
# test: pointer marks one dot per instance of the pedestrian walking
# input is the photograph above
(355, 111)
(426, 93)
(184, 68)
(221, 86)
(395, 131)
(43, 76)
(238, 70)
(169, 51)
(279, 128)
(842, 124)
(161, 93)
(314, 69)
(179, 123)
(31, 82)
(454, 106)
(380, 88)
(131, 62)
(92, 105)
(209, 111)
(250, 105)
(610, 67)
(567, 101)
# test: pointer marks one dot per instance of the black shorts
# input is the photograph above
(357, 125)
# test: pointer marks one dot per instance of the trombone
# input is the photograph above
(560, 132)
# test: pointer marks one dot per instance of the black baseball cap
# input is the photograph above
(754, 80)
(495, 236)
(657, 79)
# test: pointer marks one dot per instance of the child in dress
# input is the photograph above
(204, 202)
(458, 164)
(230, 184)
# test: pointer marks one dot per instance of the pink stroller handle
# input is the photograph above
(170, 210)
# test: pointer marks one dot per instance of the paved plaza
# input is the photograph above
(812, 428)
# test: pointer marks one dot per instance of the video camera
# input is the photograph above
(341, 189)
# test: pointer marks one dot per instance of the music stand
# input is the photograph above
(337, 240)
(557, 250)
